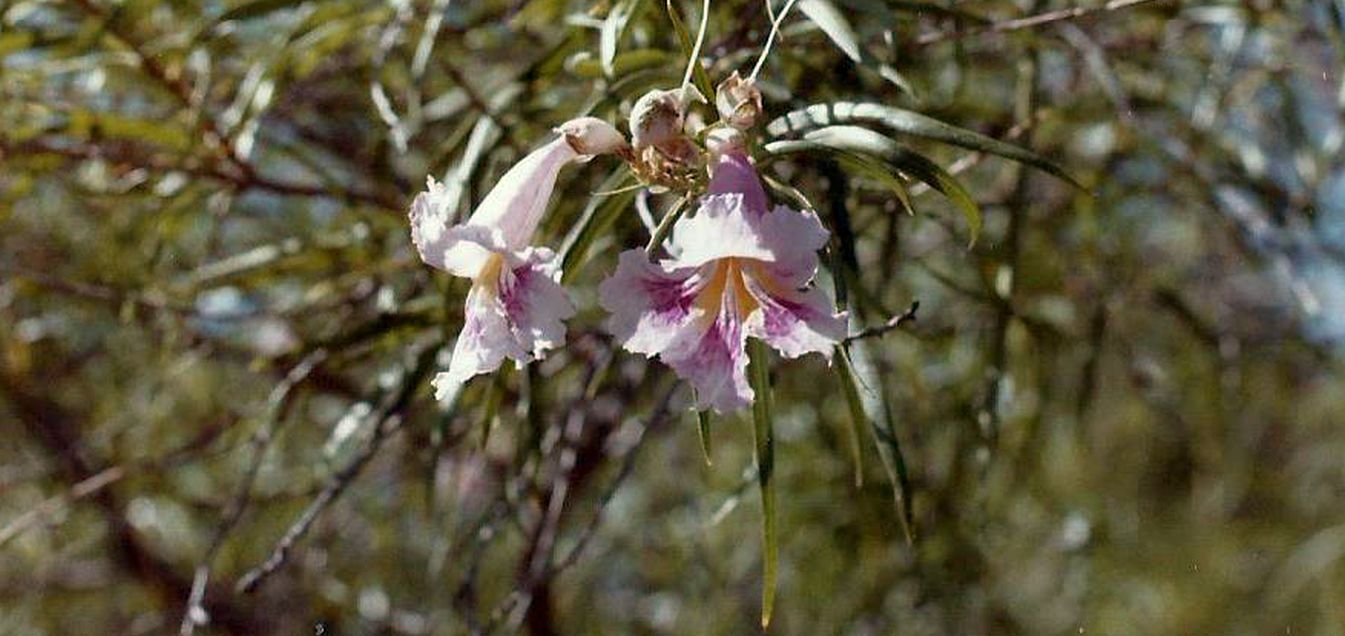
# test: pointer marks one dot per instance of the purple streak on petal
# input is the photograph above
(794, 322)
(713, 358)
(649, 303)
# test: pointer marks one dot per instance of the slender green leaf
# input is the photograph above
(665, 225)
(866, 404)
(597, 217)
(612, 29)
(913, 124)
(255, 9)
(852, 141)
(857, 416)
(703, 429)
(698, 76)
(583, 65)
(832, 22)
(759, 376)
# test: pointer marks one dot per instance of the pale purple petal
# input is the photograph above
(734, 173)
(519, 315)
(519, 199)
(535, 305)
(793, 321)
(648, 303)
(461, 250)
(721, 228)
(430, 220)
(486, 339)
(710, 354)
(793, 237)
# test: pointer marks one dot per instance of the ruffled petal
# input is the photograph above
(793, 321)
(486, 338)
(721, 228)
(648, 304)
(519, 199)
(461, 250)
(535, 305)
(793, 238)
(711, 355)
(518, 313)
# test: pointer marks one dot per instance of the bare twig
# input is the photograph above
(133, 157)
(1032, 21)
(892, 324)
(196, 613)
(387, 421)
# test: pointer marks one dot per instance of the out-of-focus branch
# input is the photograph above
(176, 85)
(252, 181)
(56, 429)
(277, 403)
(387, 421)
(1031, 21)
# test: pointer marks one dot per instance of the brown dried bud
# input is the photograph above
(738, 101)
(592, 136)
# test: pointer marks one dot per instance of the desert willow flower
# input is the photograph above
(740, 269)
(516, 307)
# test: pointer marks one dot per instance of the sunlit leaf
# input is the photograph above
(909, 123)
(864, 145)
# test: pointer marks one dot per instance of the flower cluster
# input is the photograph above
(736, 267)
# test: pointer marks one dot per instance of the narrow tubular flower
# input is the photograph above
(741, 269)
(516, 307)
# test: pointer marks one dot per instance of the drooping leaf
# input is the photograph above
(832, 22)
(866, 403)
(910, 123)
(866, 146)
(759, 377)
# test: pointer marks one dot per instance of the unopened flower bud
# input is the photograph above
(592, 136)
(738, 101)
(722, 141)
(656, 119)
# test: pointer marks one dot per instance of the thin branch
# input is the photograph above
(277, 402)
(1031, 21)
(175, 84)
(892, 324)
(479, 102)
(158, 164)
(387, 422)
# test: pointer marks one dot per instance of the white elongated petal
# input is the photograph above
(519, 199)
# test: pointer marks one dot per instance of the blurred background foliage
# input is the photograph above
(1119, 410)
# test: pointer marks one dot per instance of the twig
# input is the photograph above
(1031, 21)
(521, 597)
(50, 506)
(236, 181)
(892, 324)
(175, 84)
(386, 423)
(277, 402)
